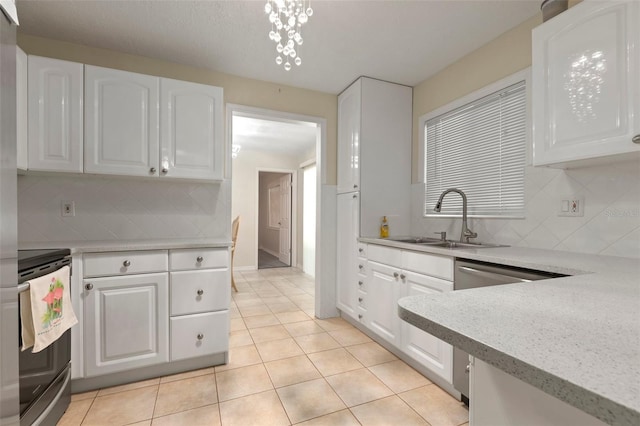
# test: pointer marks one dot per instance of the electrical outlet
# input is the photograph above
(68, 208)
(572, 207)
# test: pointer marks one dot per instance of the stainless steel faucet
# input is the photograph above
(466, 233)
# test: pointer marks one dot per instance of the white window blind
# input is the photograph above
(479, 148)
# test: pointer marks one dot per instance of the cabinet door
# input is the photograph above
(55, 93)
(126, 322)
(21, 109)
(121, 118)
(382, 295)
(430, 351)
(586, 89)
(349, 118)
(191, 137)
(346, 262)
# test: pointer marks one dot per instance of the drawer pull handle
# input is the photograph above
(88, 286)
(199, 259)
(360, 283)
(200, 336)
(403, 276)
(396, 275)
(359, 299)
(360, 249)
(200, 292)
(359, 316)
(360, 266)
(126, 263)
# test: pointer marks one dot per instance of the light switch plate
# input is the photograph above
(68, 208)
(571, 207)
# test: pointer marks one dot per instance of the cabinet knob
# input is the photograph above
(126, 263)
(355, 196)
(88, 286)
(360, 299)
(360, 250)
(199, 259)
(396, 275)
(636, 139)
(403, 276)
(359, 316)
(165, 170)
(355, 186)
(200, 292)
(359, 283)
(200, 336)
(152, 170)
(360, 266)
(468, 368)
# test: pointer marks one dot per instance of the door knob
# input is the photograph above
(126, 263)
(200, 292)
(88, 286)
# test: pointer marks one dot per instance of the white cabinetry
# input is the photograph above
(191, 135)
(121, 122)
(126, 314)
(383, 291)
(55, 116)
(21, 109)
(349, 138)
(586, 84)
(348, 209)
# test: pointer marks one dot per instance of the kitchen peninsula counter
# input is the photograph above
(78, 247)
(577, 338)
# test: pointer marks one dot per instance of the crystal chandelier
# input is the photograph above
(287, 18)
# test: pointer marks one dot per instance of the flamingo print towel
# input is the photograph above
(45, 310)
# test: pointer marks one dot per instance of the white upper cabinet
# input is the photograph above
(191, 136)
(349, 118)
(121, 122)
(586, 84)
(55, 93)
(22, 130)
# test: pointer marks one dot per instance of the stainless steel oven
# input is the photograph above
(45, 377)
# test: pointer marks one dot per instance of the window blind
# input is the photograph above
(480, 149)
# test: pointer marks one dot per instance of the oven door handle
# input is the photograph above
(42, 417)
(23, 287)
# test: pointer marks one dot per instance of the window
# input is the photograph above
(478, 145)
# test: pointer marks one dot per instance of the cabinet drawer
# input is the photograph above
(199, 258)
(429, 264)
(200, 291)
(386, 255)
(124, 263)
(199, 335)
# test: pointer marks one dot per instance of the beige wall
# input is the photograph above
(237, 90)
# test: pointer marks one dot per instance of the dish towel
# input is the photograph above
(45, 310)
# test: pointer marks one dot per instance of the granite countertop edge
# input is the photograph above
(79, 247)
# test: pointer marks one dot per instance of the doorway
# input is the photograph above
(274, 219)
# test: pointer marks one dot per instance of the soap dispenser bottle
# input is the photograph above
(384, 228)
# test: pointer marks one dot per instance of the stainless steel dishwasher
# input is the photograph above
(472, 274)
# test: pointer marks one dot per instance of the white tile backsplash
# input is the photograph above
(121, 209)
(610, 225)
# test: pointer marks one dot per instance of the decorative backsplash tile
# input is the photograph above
(610, 225)
(121, 209)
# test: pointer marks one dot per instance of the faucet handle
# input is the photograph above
(443, 235)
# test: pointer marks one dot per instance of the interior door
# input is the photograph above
(285, 220)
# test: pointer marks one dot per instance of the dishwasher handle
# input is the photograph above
(491, 275)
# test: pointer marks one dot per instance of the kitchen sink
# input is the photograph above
(437, 242)
(415, 240)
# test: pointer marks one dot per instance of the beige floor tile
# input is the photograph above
(240, 338)
(331, 324)
(275, 300)
(289, 371)
(75, 413)
(272, 332)
(295, 316)
(308, 400)
(186, 394)
(339, 418)
(187, 375)
(350, 336)
(303, 328)
(84, 395)
(388, 411)
(209, 415)
(261, 409)
(234, 313)
(128, 386)
(142, 423)
(399, 376)
(283, 307)
(261, 321)
(358, 387)
(316, 342)
(436, 406)
(123, 407)
(242, 382)
(251, 311)
(334, 361)
(248, 302)
(278, 349)
(371, 354)
(241, 356)
(237, 324)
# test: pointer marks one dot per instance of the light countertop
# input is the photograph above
(123, 245)
(577, 338)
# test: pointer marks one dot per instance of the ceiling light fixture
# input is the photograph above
(287, 18)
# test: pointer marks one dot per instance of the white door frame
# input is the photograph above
(293, 214)
(325, 294)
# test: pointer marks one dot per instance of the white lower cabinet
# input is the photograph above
(199, 334)
(126, 322)
(383, 291)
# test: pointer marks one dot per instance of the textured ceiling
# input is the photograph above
(400, 41)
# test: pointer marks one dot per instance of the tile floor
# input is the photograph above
(285, 368)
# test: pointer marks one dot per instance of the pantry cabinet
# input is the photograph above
(349, 118)
(586, 85)
(347, 266)
(55, 116)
